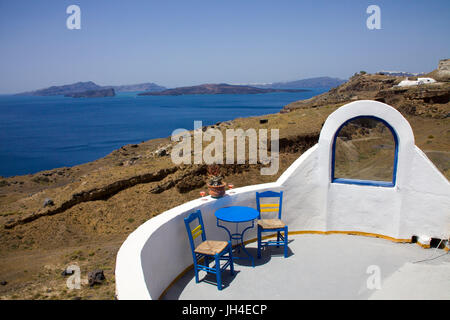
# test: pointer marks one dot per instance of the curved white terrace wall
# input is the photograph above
(158, 251)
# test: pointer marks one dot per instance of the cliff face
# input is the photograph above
(443, 71)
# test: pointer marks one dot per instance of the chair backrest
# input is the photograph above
(269, 207)
(197, 231)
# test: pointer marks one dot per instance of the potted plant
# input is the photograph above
(216, 186)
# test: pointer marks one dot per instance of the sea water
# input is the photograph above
(41, 133)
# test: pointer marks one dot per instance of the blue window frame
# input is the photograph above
(365, 182)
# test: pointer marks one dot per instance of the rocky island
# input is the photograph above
(221, 88)
(63, 90)
(69, 90)
(92, 93)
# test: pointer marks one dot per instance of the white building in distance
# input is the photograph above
(419, 81)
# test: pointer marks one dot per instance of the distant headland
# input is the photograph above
(316, 82)
(92, 93)
(221, 88)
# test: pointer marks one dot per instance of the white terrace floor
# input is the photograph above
(329, 267)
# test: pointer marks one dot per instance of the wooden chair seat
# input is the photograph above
(211, 247)
(271, 223)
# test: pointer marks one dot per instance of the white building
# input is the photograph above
(419, 81)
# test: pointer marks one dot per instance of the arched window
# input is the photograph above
(365, 152)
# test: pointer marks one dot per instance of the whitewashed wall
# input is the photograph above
(158, 251)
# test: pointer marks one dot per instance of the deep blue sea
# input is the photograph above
(40, 133)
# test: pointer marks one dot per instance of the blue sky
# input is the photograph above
(176, 43)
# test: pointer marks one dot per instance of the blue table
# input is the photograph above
(237, 214)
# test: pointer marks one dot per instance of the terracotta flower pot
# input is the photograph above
(217, 191)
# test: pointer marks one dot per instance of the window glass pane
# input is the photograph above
(364, 150)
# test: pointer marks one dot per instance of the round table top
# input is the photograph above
(236, 214)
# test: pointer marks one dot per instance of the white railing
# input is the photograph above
(158, 251)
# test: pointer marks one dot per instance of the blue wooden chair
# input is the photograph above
(271, 225)
(208, 249)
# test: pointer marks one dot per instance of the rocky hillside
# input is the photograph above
(429, 100)
(442, 73)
